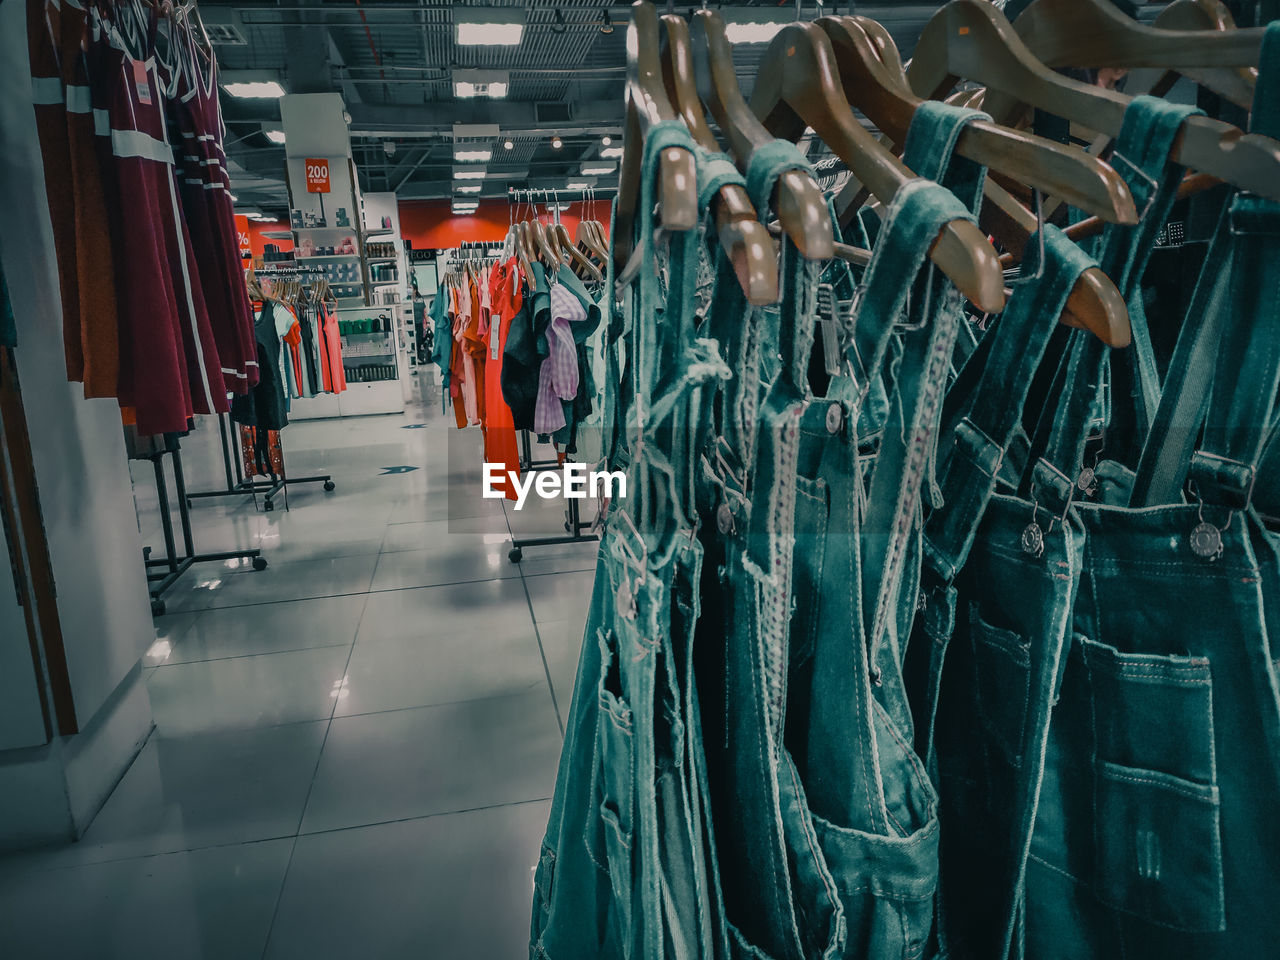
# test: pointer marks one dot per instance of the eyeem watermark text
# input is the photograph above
(573, 481)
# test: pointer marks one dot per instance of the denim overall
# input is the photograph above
(995, 616)
(620, 872)
(824, 819)
(1156, 834)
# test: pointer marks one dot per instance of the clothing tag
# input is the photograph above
(494, 321)
(829, 324)
(1172, 235)
(141, 81)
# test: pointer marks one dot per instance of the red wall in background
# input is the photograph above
(430, 224)
(256, 229)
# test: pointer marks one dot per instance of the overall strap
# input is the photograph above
(749, 335)
(1226, 366)
(1141, 157)
(642, 335)
(906, 454)
(1015, 348)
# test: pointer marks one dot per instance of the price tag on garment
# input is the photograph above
(142, 81)
(242, 235)
(494, 323)
(317, 176)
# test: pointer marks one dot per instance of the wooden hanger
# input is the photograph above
(1094, 304)
(576, 257)
(797, 199)
(1085, 181)
(647, 105)
(972, 39)
(798, 84)
(588, 241)
(742, 235)
(1095, 33)
(1235, 84)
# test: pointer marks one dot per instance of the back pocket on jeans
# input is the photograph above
(615, 779)
(1156, 829)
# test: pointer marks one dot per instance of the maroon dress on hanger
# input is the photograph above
(196, 120)
(169, 364)
(95, 260)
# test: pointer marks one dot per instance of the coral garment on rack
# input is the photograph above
(505, 300)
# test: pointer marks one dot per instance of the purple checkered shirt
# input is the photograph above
(558, 377)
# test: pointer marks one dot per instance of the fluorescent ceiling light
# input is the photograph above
(480, 83)
(490, 34)
(480, 156)
(468, 188)
(465, 90)
(468, 174)
(578, 185)
(751, 32)
(275, 136)
(261, 89)
(611, 153)
(597, 169)
(464, 209)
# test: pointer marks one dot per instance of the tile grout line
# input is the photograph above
(306, 802)
(542, 651)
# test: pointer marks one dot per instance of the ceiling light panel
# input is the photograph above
(275, 136)
(493, 84)
(489, 26)
(473, 156)
(260, 89)
(612, 153)
(597, 169)
(468, 188)
(468, 174)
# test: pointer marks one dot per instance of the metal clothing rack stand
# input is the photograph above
(573, 524)
(239, 485)
(164, 572)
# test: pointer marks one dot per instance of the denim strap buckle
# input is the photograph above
(1221, 480)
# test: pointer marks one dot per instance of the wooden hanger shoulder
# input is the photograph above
(799, 84)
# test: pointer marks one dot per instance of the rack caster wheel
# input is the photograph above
(268, 505)
(157, 608)
(329, 486)
(259, 563)
(515, 554)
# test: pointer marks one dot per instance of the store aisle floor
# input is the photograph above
(355, 748)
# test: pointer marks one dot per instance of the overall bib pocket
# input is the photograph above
(1002, 668)
(1156, 828)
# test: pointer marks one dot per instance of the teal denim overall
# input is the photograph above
(613, 879)
(856, 562)
(825, 829)
(777, 895)
(986, 650)
(1157, 833)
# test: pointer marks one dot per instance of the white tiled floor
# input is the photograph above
(355, 748)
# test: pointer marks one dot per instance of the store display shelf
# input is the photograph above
(382, 259)
(347, 230)
(330, 256)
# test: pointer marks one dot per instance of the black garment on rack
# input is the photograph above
(306, 326)
(264, 405)
(521, 361)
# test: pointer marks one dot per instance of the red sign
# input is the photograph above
(242, 233)
(317, 176)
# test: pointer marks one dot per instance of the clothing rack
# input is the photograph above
(573, 524)
(242, 486)
(163, 573)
